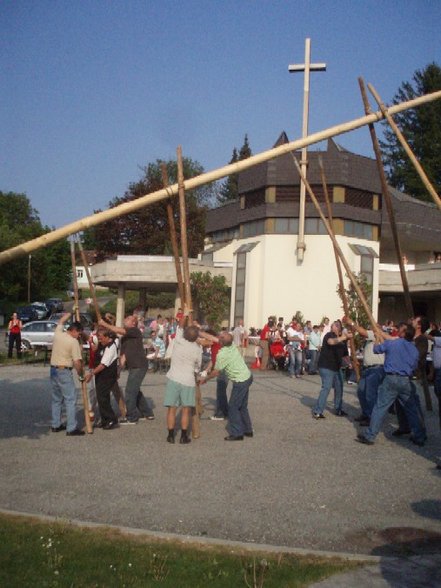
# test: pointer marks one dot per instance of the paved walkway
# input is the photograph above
(298, 484)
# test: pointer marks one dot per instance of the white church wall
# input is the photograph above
(276, 284)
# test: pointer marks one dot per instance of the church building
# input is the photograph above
(258, 235)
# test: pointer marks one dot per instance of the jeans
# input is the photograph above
(394, 387)
(63, 390)
(239, 421)
(313, 358)
(330, 378)
(135, 400)
(295, 361)
(367, 390)
(221, 395)
(403, 421)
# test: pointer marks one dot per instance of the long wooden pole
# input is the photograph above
(341, 284)
(388, 201)
(339, 251)
(173, 237)
(116, 389)
(91, 284)
(192, 183)
(84, 393)
(387, 113)
(184, 244)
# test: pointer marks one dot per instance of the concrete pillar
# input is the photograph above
(143, 297)
(120, 304)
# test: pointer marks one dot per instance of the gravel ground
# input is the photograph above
(297, 483)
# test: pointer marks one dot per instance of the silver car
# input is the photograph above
(38, 334)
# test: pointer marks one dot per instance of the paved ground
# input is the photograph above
(298, 483)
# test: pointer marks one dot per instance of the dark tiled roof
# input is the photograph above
(419, 223)
(342, 168)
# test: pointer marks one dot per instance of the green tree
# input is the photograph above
(146, 231)
(211, 298)
(229, 189)
(50, 267)
(422, 128)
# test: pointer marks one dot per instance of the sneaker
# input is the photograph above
(75, 433)
(318, 415)
(400, 433)
(62, 427)
(171, 437)
(341, 413)
(217, 418)
(110, 425)
(147, 417)
(362, 439)
(184, 439)
(127, 422)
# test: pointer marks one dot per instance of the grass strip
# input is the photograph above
(34, 553)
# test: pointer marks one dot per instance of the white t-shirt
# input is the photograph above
(186, 359)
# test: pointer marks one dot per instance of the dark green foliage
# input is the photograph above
(422, 129)
(146, 232)
(50, 267)
(211, 298)
(229, 189)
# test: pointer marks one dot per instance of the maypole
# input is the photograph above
(192, 183)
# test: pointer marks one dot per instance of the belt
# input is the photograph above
(397, 374)
(61, 367)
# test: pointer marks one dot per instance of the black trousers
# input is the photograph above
(103, 389)
(14, 339)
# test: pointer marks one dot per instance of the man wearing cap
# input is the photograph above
(66, 354)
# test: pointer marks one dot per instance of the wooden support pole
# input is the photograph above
(91, 284)
(173, 237)
(84, 393)
(206, 178)
(116, 389)
(388, 201)
(198, 409)
(330, 232)
(341, 285)
(184, 245)
(405, 145)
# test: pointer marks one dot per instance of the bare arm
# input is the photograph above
(113, 328)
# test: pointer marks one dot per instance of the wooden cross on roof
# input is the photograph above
(306, 67)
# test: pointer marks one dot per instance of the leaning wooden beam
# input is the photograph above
(184, 244)
(84, 393)
(388, 201)
(173, 237)
(341, 284)
(351, 276)
(405, 145)
(192, 183)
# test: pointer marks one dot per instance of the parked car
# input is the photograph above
(85, 320)
(54, 305)
(41, 309)
(27, 313)
(38, 334)
(41, 334)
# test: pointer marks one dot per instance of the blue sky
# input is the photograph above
(93, 90)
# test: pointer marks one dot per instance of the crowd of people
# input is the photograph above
(394, 370)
